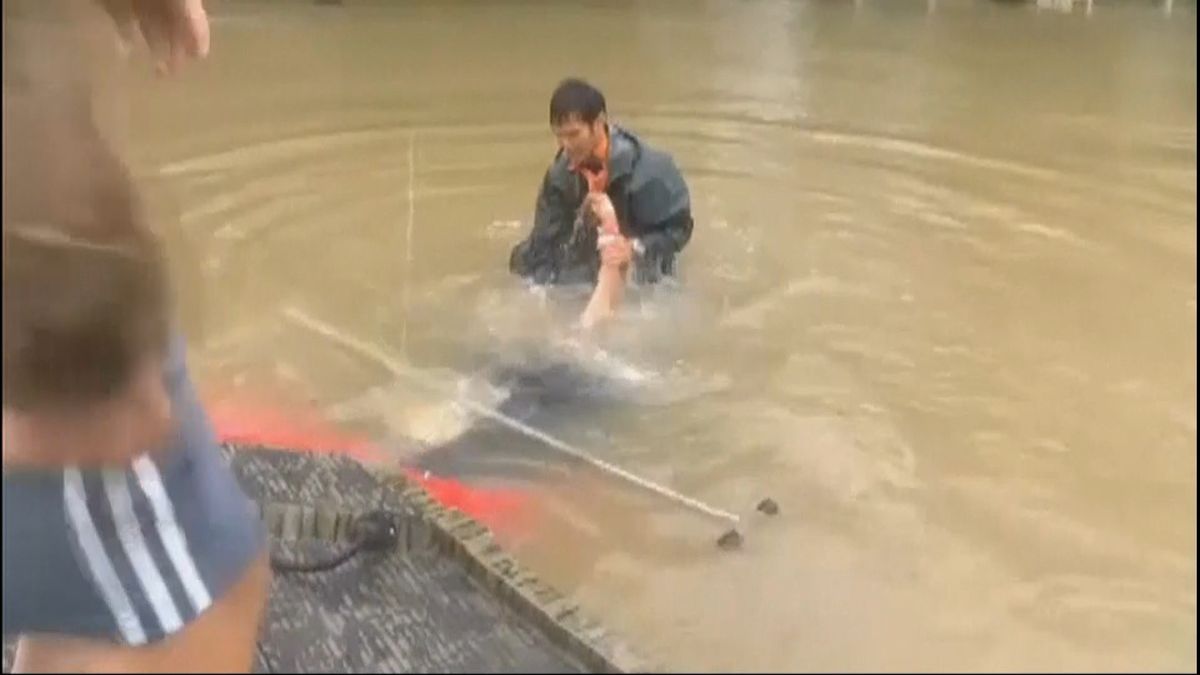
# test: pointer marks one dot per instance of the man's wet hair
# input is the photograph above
(575, 98)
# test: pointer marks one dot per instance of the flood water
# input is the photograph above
(940, 302)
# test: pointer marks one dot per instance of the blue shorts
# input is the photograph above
(130, 555)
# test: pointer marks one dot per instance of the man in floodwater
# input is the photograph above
(607, 200)
(610, 209)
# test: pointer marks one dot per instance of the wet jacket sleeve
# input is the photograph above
(537, 257)
(668, 237)
(662, 208)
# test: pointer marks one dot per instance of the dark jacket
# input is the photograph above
(652, 204)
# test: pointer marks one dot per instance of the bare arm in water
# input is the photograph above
(615, 255)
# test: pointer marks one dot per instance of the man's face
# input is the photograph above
(577, 138)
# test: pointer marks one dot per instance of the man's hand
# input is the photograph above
(615, 250)
(174, 30)
(600, 205)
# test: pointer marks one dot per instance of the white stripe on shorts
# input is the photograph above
(129, 531)
(172, 535)
(98, 562)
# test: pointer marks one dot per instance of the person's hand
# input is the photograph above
(615, 250)
(601, 206)
(174, 30)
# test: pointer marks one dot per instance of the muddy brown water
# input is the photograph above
(940, 303)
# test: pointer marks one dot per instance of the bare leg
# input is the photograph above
(221, 640)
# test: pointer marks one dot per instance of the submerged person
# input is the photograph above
(546, 392)
(608, 201)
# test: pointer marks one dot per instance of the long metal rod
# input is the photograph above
(400, 370)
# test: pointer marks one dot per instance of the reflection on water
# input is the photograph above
(940, 303)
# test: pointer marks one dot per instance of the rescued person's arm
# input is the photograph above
(615, 255)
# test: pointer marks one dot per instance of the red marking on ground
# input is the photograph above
(286, 430)
(302, 429)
